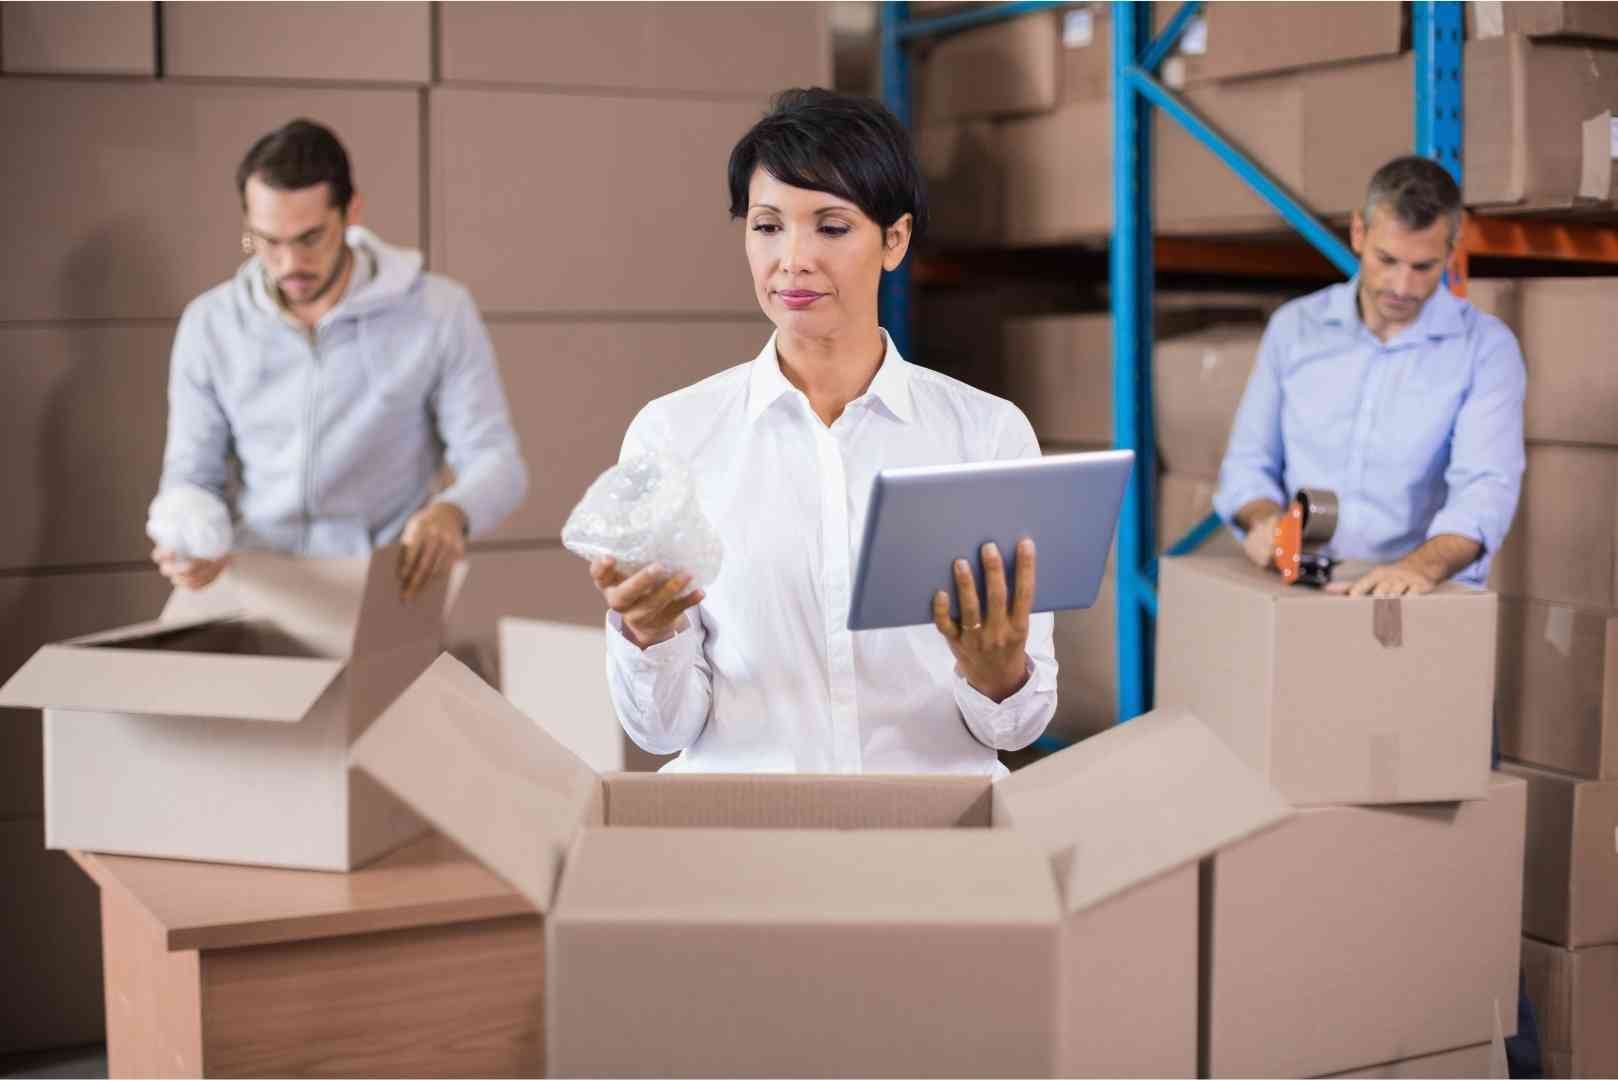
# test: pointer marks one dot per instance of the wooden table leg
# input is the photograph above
(154, 1018)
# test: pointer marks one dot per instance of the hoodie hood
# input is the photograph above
(395, 271)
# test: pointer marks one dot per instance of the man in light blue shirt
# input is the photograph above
(1388, 390)
(341, 377)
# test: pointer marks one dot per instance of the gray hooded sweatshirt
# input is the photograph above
(340, 433)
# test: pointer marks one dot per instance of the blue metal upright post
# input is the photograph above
(1436, 36)
(893, 299)
(1132, 276)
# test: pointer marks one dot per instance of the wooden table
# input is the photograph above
(421, 964)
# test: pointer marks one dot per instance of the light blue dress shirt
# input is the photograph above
(1418, 436)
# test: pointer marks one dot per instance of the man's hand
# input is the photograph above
(1259, 543)
(434, 540)
(1394, 579)
(1438, 560)
(650, 601)
(990, 642)
(188, 573)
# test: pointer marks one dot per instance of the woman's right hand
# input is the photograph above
(649, 601)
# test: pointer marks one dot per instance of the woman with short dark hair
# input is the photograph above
(759, 672)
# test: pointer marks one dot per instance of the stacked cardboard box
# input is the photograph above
(1558, 655)
(1373, 718)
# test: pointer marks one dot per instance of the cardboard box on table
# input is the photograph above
(1332, 699)
(222, 730)
(1575, 997)
(1044, 924)
(1356, 934)
(1570, 881)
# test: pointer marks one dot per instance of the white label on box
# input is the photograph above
(1174, 72)
(1194, 42)
(1078, 28)
(1614, 123)
(1559, 629)
(1489, 18)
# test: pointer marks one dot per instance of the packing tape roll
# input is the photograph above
(1319, 514)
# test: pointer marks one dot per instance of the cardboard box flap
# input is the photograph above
(154, 628)
(1133, 803)
(315, 601)
(386, 620)
(466, 759)
(806, 877)
(154, 683)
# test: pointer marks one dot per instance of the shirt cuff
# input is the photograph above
(680, 648)
(1458, 523)
(983, 713)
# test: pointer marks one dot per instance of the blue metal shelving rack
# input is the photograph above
(1436, 31)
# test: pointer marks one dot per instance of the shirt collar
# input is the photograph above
(891, 386)
(1440, 315)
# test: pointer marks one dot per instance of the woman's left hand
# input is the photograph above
(990, 642)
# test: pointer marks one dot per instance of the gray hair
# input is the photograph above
(1417, 191)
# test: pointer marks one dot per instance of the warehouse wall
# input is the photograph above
(563, 161)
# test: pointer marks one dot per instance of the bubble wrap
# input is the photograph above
(192, 521)
(642, 511)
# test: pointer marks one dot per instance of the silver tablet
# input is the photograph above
(920, 520)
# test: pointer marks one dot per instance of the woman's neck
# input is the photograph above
(831, 371)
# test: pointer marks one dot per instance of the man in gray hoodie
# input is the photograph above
(341, 377)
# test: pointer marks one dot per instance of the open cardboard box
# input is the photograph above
(221, 730)
(1042, 925)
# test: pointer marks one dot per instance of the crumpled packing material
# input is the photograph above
(645, 510)
(192, 522)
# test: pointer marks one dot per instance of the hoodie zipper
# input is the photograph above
(310, 399)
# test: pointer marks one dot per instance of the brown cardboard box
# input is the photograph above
(78, 39)
(38, 608)
(597, 235)
(1565, 327)
(1013, 942)
(136, 186)
(963, 165)
(1059, 175)
(237, 709)
(573, 388)
(1563, 544)
(1556, 693)
(1197, 385)
(1575, 995)
(1005, 68)
(1571, 874)
(547, 669)
(1482, 1059)
(1195, 191)
(1246, 38)
(1184, 502)
(536, 582)
(1541, 18)
(747, 50)
(1332, 699)
(1359, 933)
(281, 40)
(1526, 105)
(1086, 54)
(1058, 370)
(51, 939)
(81, 441)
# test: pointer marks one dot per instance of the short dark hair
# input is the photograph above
(1417, 191)
(847, 146)
(298, 155)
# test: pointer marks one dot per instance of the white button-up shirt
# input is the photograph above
(767, 677)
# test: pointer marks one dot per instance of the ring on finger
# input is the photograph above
(974, 626)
